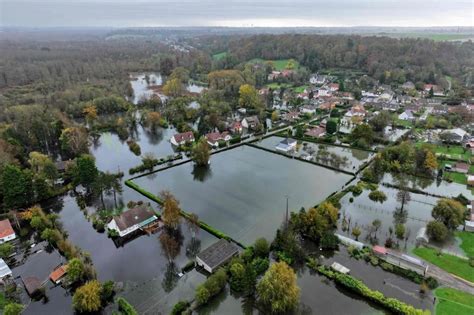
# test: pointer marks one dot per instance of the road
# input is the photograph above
(448, 279)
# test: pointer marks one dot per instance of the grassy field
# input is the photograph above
(455, 177)
(219, 56)
(300, 89)
(452, 264)
(279, 64)
(451, 301)
(276, 85)
(404, 123)
(467, 242)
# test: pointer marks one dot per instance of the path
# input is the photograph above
(448, 279)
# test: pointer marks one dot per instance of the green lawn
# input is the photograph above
(452, 264)
(467, 242)
(300, 89)
(219, 56)
(279, 64)
(455, 177)
(451, 301)
(455, 152)
(276, 85)
(404, 123)
(432, 36)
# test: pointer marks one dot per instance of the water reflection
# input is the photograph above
(201, 173)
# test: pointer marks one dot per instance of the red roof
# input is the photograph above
(379, 249)
(315, 132)
(214, 137)
(58, 273)
(185, 136)
(5, 228)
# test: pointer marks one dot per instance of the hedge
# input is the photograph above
(125, 307)
(357, 286)
(156, 162)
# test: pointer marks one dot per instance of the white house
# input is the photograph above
(286, 145)
(182, 138)
(251, 122)
(6, 231)
(307, 109)
(455, 135)
(406, 115)
(132, 220)
(5, 271)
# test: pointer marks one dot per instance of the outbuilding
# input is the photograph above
(216, 255)
(6, 231)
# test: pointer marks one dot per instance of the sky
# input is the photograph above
(236, 13)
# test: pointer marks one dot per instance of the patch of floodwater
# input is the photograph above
(141, 84)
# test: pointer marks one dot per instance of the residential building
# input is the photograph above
(129, 221)
(308, 109)
(236, 127)
(457, 135)
(461, 167)
(32, 285)
(406, 115)
(251, 123)
(333, 87)
(182, 138)
(216, 255)
(6, 231)
(58, 274)
(316, 132)
(213, 138)
(408, 85)
(5, 271)
(286, 145)
(318, 79)
(291, 116)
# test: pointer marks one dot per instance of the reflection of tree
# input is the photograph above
(193, 247)
(193, 224)
(201, 173)
(400, 216)
(171, 242)
(170, 279)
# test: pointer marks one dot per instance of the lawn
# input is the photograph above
(451, 301)
(454, 152)
(452, 264)
(219, 56)
(467, 242)
(456, 177)
(276, 85)
(404, 123)
(279, 64)
(300, 89)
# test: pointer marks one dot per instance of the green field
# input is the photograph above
(451, 301)
(467, 242)
(279, 64)
(452, 264)
(455, 152)
(300, 89)
(404, 123)
(219, 56)
(276, 85)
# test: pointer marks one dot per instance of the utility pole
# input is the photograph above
(286, 216)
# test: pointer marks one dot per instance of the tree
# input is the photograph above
(331, 126)
(376, 224)
(380, 121)
(201, 152)
(6, 250)
(403, 196)
(278, 290)
(261, 247)
(13, 309)
(431, 163)
(450, 212)
(399, 231)
(193, 224)
(237, 276)
(85, 172)
(75, 270)
(202, 295)
(90, 113)
(437, 231)
(87, 297)
(249, 97)
(378, 196)
(171, 210)
(275, 115)
(356, 232)
(173, 88)
(364, 133)
(17, 186)
(74, 141)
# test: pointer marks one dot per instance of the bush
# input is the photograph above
(6, 249)
(437, 231)
(377, 196)
(180, 307)
(386, 266)
(356, 190)
(87, 297)
(134, 147)
(213, 285)
(329, 241)
(260, 265)
(108, 291)
(261, 247)
(125, 307)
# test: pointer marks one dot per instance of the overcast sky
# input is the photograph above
(129, 13)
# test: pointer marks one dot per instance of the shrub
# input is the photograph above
(386, 266)
(87, 297)
(134, 147)
(213, 285)
(378, 196)
(374, 261)
(6, 250)
(179, 307)
(202, 295)
(13, 309)
(261, 247)
(329, 241)
(260, 265)
(108, 291)
(125, 307)
(356, 190)
(437, 231)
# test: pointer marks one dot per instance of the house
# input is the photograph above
(333, 87)
(461, 167)
(401, 260)
(236, 127)
(58, 274)
(251, 123)
(408, 85)
(182, 138)
(308, 109)
(286, 145)
(213, 138)
(5, 271)
(61, 166)
(216, 255)
(406, 115)
(291, 116)
(132, 220)
(322, 92)
(316, 132)
(318, 79)
(457, 135)
(32, 285)
(356, 111)
(327, 105)
(6, 231)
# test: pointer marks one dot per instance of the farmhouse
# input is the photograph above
(286, 145)
(455, 135)
(182, 138)
(6, 231)
(216, 255)
(134, 219)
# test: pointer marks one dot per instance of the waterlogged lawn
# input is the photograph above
(467, 242)
(452, 264)
(243, 191)
(451, 301)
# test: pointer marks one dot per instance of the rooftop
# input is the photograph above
(218, 253)
(58, 273)
(5, 228)
(134, 216)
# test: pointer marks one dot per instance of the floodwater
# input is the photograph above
(243, 191)
(363, 211)
(355, 158)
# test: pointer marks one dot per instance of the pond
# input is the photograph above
(363, 211)
(243, 191)
(354, 158)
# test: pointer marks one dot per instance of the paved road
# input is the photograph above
(448, 279)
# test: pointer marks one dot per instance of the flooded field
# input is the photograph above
(243, 191)
(351, 159)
